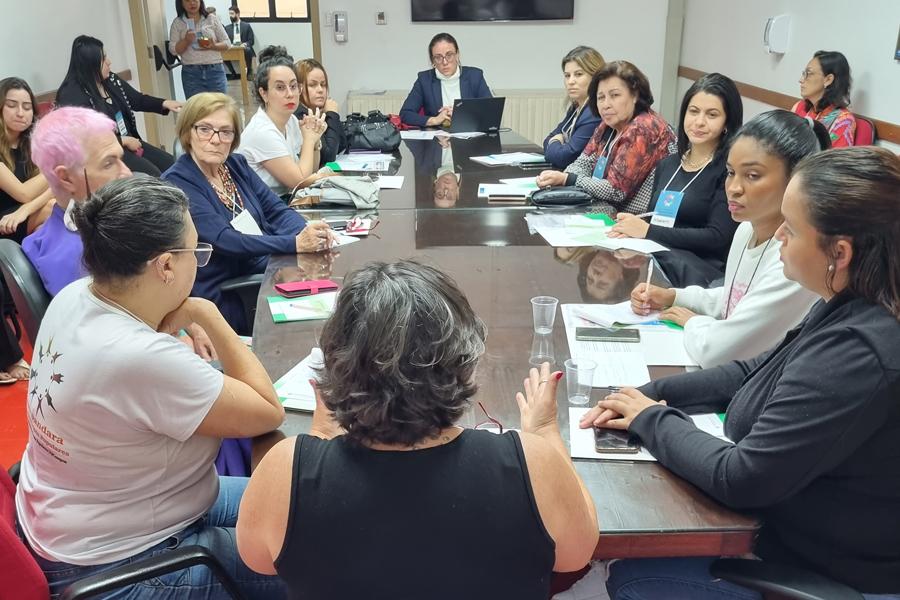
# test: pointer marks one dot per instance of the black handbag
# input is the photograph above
(566, 195)
(373, 132)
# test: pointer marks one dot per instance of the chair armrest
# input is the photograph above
(781, 580)
(236, 283)
(154, 566)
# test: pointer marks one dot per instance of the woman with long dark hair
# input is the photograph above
(198, 37)
(825, 87)
(90, 82)
(691, 213)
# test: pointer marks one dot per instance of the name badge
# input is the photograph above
(120, 123)
(246, 224)
(667, 206)
(600, 167)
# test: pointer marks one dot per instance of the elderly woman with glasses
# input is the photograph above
(119, 464)
(233, 208)
(386, 471)
(430, 102)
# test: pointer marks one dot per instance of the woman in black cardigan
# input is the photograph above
(314, 93)
(90, 83)
(815, 422)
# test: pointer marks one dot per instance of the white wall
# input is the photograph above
(513, 55)
(38, 38)
(730, 42)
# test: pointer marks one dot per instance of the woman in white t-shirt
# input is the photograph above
(757, 304)
(282, 150)
(124, 420)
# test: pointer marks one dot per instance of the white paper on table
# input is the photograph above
(420, 134)
(462, 135)
(581, 441)
(524, 182)
(636, 244)
(304, 308)
(389, 182)
(343, 240)
(509, 158)
(364, 162)
(486, 190)
(618, 363)
(293, 388)
(664, 347)
(608, 314)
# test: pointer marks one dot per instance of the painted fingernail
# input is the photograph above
(559, 375)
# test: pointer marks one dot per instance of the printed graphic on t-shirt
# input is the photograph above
(737, 293)
(44, 381)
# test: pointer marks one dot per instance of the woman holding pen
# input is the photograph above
(233, 208)
(757, 304)
(688, 210)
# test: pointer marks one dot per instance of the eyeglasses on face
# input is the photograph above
(443, 58)
(806, 74)
(202, 252)
(205, 133)
(280, 88)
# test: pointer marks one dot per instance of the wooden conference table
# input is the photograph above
(643, 509)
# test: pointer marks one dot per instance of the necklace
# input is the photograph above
(230, 196)
(752, 275)
(115, 304)
(687, 160)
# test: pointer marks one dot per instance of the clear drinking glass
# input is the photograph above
(543, 310)
(579, 379)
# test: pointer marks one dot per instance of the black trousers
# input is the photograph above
(153, 162)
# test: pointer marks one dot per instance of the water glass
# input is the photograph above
(543, 309)
(541, 349)
(579, 379)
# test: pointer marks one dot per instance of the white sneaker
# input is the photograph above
(590, 587)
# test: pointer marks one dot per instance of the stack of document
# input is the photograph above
(305, 308)
(293, 388)
(427, 134)
(486, 190)
(509, 158)
(364, 161)
(581, 441)
(661, 344)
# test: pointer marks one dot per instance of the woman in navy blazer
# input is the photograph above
(232, 208)
(430, 102)
(566, 142)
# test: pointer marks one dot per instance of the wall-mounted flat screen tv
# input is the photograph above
(492, 10)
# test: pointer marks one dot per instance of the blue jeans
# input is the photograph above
(679, 579)
(203, 78)
(214, 531)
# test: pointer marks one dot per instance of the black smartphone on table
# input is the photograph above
(607, 334)
(615, 441)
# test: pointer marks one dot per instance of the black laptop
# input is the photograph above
(477, 114)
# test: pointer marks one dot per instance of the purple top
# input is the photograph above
(55, 252)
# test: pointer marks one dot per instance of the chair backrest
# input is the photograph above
(18, 569)
(25, 286)
(866, 134)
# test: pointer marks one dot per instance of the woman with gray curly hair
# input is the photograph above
(389, 483)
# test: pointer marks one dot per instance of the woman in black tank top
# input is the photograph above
(388, 498)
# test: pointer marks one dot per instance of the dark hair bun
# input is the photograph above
(273, 52)
(86, 214)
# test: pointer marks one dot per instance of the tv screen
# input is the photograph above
(492, 10)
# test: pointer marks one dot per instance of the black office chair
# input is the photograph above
(780, 582)
(164, 58)
(25, 287)
(247, 289)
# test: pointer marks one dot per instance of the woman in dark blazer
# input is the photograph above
(90, 83)
(232, 208)
(430, 102)
(567, 140)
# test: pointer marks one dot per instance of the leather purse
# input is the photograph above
(561, 196)
(372, 132)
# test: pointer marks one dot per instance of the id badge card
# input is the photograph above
(667, 208)
(120, 123)
(246, 224)
(600, 167)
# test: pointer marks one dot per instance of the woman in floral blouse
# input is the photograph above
(825, 88)
(616, 166)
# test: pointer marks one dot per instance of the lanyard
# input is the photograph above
(569, 127)
(693, 179)
(615, 136)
